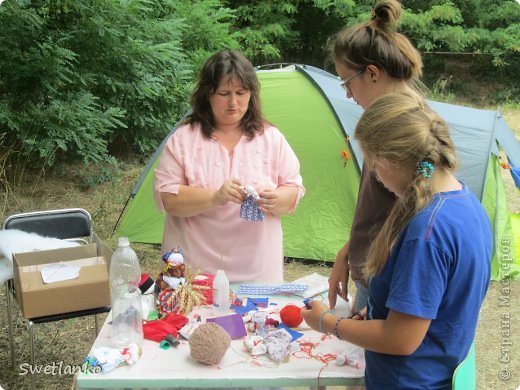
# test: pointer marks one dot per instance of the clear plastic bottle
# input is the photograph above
(124, 275)
(220, 294)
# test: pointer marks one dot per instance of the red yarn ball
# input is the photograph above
(290, 316)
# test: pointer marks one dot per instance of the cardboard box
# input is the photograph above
(90, 290)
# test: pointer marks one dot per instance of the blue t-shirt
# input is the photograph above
(439, 269)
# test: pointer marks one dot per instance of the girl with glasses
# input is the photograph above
(372, 59)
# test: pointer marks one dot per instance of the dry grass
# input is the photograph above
(70, 341)
(511, 113)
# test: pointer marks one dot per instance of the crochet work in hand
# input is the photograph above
(250, 211)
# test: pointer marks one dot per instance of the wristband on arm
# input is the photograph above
(336, 327)
(320, 321)
(357, 316)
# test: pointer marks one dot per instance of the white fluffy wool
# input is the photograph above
(18, 241)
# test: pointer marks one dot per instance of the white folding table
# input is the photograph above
(174, 367)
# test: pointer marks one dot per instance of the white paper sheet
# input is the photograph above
(317, 284)
(58, 272)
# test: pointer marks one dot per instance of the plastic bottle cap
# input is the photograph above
(123, 241)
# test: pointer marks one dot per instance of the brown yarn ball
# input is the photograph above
(208, 343)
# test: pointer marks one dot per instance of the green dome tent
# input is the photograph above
(310, 108)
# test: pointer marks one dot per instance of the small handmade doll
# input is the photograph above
(173, 273)
(180, 289)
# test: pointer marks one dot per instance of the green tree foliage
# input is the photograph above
(88, 79)
(482, 34)
(479, 26)
(316, 22)
(39, 111)
(82, 79)
(296, 30)
(288, 31)
(209, 28)
(264, 27)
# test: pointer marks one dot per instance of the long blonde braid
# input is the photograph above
(402, 129)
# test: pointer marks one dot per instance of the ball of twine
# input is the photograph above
(208, 343)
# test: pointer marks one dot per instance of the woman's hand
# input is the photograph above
(230, 191)
(268, 200)
(338, 279)
(277, 201)
(312, 315)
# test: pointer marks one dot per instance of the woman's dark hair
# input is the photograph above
(226, 63)
(377, 42)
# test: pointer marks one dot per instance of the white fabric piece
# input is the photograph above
(256, 345)
(173, 281)
(350, 356)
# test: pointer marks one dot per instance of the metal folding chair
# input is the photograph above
(67, 224)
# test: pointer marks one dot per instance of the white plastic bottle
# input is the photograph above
(124, 276)
(220, 294)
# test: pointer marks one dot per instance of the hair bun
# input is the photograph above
(386, 13)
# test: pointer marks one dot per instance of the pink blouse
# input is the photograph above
(251, 251)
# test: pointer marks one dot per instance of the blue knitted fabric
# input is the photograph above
(250, 211)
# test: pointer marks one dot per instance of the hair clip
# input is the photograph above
(426, 169)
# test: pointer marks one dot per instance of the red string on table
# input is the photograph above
(307, 347)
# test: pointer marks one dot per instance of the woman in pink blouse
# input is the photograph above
(224, 146)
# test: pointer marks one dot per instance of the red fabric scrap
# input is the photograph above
(158, 329)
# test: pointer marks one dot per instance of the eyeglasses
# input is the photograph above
(346, 84)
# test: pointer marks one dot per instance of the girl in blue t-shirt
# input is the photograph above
(429, 266)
